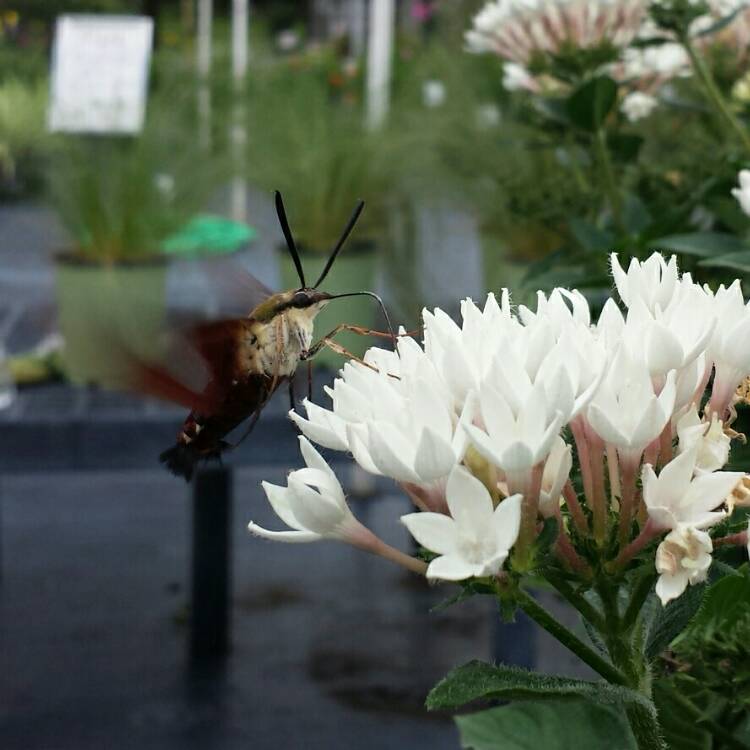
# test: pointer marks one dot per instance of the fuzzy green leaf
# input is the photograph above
(668, 622)
(554, 725)
(477, 679)
(723, 604)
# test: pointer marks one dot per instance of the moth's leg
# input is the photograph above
(362, 331)
(328, 342)
(336, 347)
(309, 380)
(359, 330)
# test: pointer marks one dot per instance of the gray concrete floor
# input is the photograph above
(331, 648)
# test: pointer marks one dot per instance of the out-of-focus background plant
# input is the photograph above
(560, 147)
(612, 125)
(24, 142)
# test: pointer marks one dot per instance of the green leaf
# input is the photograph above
(635, 214)
(589, 105)
(554, 725)
(671, 620)
(477, 679)
(739, 261)
(590, 237)
(553, 108)
(668, 622)
(702, 244)
(679, 729)
(723, 603)
(626, 146)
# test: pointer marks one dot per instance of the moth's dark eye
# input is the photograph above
(300, 299)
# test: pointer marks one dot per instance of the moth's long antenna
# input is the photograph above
(281, 213)
(347, 231)
(380, 303)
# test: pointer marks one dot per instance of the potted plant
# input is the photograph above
(313, 147)
(119, 199)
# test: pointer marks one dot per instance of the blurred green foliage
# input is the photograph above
(120, 197)
(307, 138)
(705, 676)
(24, 141)
(528, 166)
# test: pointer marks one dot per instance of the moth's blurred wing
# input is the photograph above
(198, 366)
(215, 288)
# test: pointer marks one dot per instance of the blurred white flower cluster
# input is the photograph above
(646, 57)
(734, 35)
(489, 424)
(516, 30)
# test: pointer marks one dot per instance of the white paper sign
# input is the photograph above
(100, 69)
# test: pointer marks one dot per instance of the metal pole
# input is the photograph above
(238, 134)
(379, 60)
(211, 564)
(203, 65)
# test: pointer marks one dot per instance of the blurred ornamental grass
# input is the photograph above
(312, 144)
(121, 197)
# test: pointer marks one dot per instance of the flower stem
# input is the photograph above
(648, 533)
(597, 476)
(713, 94)
(645, 726)
(400, 558)
(628, 500)
(567, 553)
(584, 460)
(545, 620)
(640, 592)
(529, 512)
(587, 610)
(613, 468)
(576, 511)
(665, 445)
(739, 539)
(610, 184)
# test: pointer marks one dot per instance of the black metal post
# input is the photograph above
(211, 569)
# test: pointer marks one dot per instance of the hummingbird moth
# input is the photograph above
(245, 359)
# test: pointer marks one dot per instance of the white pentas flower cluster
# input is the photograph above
(487, 422)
